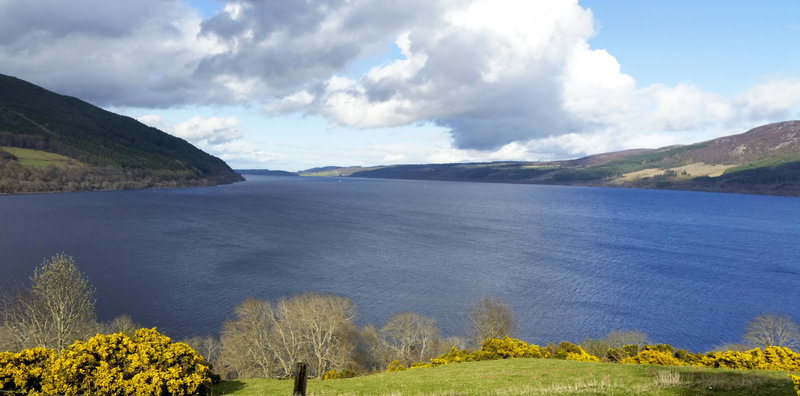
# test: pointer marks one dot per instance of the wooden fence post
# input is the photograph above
(300, 379)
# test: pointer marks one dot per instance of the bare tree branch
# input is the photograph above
(771, 329)
(491, 317)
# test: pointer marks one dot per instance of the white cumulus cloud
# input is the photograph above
(206, 133)
(501, 77)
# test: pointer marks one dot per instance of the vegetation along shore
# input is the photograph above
(54, 344)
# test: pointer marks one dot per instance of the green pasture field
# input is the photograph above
(534, 377)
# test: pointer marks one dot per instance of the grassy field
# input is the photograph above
(534, 377)
(692, 170)
(40, 159)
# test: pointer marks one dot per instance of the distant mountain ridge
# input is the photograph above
(763, 160)
(106, 150)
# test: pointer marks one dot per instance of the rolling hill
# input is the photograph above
(50, 142)
(763, 160)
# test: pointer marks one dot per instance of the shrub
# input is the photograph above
(688, 357)
(441, 362)
(110, 365)
(654, 357)
(395, 365)
(335, 374)
(166, 367)
(596, 347)
(778, 358)
(564, 348)
(492, 349)
(463, 355)
(511, 348)
(455, 356)
(730, 359)
(772, 358)
(94, 367)
(796, 381)
(23, 371)
(618, 354)
(666, 348)
(582, 357)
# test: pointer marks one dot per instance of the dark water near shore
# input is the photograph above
(688, 268)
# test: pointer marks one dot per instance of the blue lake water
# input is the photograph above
(687, 268)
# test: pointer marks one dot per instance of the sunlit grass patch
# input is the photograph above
(41, 159)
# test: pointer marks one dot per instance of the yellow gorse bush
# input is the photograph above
(777, 358)
(654, 357)
(336, 374)
(582, 356)
(23, 371)
(796, 381)
(731, 359)
(395, 365)
(492, 349)
(512, 348)
(115, 364)
(771, 358)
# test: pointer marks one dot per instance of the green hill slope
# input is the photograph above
(110, 151)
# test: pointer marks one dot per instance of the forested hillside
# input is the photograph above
(51, 142)
(763, 160)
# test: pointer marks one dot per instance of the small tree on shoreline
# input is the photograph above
(771, 329)
(57, 309)
(410, 337)
(267, 339)
(491, 317)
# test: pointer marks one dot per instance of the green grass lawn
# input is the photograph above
(40, 159)
(534, 377)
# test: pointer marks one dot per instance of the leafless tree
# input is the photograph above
(56, 311)
(457, 342)
(245, 350)
(491, 317)
(620, 338)
(7, 340)
(122, 324)
(730, 347)
(208, 347)
(771, 329)
(371, 353)
(286, 344)
(325, 325)
(614, 340)
(411, 337)
(266, 340)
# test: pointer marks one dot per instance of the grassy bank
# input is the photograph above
(535, 377)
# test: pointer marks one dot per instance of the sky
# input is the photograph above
(291, 85)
